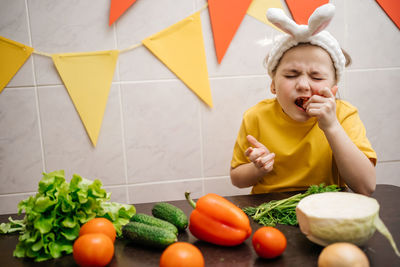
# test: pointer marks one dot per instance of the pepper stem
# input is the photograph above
(191, 202)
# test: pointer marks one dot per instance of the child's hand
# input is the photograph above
(260, 155)
(323, 106)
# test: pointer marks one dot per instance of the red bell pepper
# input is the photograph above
(218, 221)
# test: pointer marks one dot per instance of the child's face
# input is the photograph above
(302, 71)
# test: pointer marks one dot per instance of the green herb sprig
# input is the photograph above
(284, 211)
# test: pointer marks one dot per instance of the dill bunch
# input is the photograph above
(284, 211)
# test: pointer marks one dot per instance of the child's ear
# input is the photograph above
(272, 87)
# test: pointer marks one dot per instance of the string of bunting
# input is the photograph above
(87, 76)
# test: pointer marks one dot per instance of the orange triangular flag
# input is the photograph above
(12, 56)
(118, 7)
(181, 48)
(88, 78)
(301, 10)
(226, 17)
(392, 9)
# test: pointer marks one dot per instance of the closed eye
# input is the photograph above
(318, 76)
(290, 73)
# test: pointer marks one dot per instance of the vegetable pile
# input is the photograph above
(159, 231)
(53, 216)
(341, 217)
(172, 214)
(284, 211)
(93, 249)
(95, 244)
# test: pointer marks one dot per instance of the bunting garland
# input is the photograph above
(88, 76)
(226, 16)
(117, 8)
(13, 55)
(301, 10)
(392, 9)
(258, 9)
(181, 48)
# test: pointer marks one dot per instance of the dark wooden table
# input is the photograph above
(299, 252)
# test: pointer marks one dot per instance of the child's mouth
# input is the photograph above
(300, 101)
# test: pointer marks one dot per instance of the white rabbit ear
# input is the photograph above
(321, 18)
(277, 17)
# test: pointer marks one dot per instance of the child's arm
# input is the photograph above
(357, 171)
(262, 162)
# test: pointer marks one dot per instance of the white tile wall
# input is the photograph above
(13, 25)
(220, 125)
(373, 92)
(66, 144)
(142, 20)
(372, 38)
(158, 139)
(20, 145)
(162, 132)
(388, 173)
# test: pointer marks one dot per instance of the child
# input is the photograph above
(304, 136)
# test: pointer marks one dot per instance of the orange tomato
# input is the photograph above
(93, 250)
(181, 254)
(99, 225)
(269, 242)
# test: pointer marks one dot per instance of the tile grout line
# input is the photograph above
(124, 157)
(201, 150)
(154, 183)
(343, 93)
(133, 185)
(35, 86)
(167, 182)
(373, 69)
(210, 78)
(389, 161)
(149, 81)
(200, 117)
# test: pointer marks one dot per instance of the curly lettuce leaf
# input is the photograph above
(12, 226)
(53, 216)
(118, 213)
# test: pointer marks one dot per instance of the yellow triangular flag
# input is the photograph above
(12, 56)
(88, 78)
(258, 9)
(181, 48)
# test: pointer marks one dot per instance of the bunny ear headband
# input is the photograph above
(312, 33)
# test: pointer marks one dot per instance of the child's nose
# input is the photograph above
(303, 84)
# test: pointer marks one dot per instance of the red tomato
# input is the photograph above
(99, 225)
(181, 254)
(269, 242)
(93, 250)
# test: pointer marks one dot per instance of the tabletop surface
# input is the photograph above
(299, 251)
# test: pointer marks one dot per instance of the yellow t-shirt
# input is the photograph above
(303, 156)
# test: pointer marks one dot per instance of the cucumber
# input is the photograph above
(148, 235)
(172, 214)
(150, 220)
